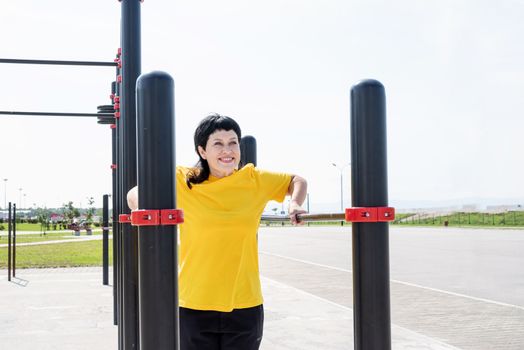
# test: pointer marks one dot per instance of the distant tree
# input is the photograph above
(90, 211)
(43, 217)
(70, 212)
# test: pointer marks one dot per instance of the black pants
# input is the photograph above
(240, 329)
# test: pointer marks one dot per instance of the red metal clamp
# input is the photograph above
(124, 218)
(155, 217)
(117, 115)
(112, 126)
(171, 216)
(144, 217)
(116, 106)
(117, 99)
(119, 78)
(118, 62)
(113, 166)
(370, 214)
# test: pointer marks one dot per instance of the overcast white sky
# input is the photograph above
(453, 72)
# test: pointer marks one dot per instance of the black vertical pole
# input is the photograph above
(9, 257)
(372, 322)
(157, 245)
(117, 230)
(14, 239)
(130, 44)
(248, 150)
(105, 240)
(115, 211)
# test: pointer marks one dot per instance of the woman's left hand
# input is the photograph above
(294, 210)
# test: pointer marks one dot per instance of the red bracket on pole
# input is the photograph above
(117, 115)
(117, 99)
(112, 126)
(113, 166)
(119, 78)
(124, 218)
(116, 106)
(370, 214)
(146, 217)
(171, 216)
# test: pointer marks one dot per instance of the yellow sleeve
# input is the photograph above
(273, 185)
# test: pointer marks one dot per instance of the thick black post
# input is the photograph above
(131, 61)
(14, 240)
(248, 150)
(105, 240)
(158, 270)
(372, 322)
(9, 247)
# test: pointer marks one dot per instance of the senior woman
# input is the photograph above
(220, 296)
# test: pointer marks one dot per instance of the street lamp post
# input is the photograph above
(341, 169)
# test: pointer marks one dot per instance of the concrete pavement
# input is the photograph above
(69, 309)
(451, 289)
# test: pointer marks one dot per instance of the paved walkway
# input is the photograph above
(69, 309)
(306, 278)
(69, 239)
(443, 318)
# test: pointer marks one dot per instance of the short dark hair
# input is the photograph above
(205, 128)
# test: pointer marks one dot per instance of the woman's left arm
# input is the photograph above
(298, 191)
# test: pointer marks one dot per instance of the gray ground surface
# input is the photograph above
(451, 288)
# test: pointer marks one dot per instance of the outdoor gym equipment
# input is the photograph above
(138, 316)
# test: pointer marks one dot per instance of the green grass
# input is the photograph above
(500, 220)
(507, 219)
(72, 254)
(27, 227)
(53, 236)
(36, 227)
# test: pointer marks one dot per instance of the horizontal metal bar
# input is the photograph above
(306, 217)
(58, 114)
(58, 63)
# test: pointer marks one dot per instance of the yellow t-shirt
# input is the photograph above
(218, 252)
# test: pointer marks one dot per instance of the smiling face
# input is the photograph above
(222, 152)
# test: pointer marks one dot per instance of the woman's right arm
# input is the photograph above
(132, 198)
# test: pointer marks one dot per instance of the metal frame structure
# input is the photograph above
(142, 322)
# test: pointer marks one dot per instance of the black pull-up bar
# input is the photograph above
(58, 63)
(305, 217)
(358, 214)
(58, 114)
